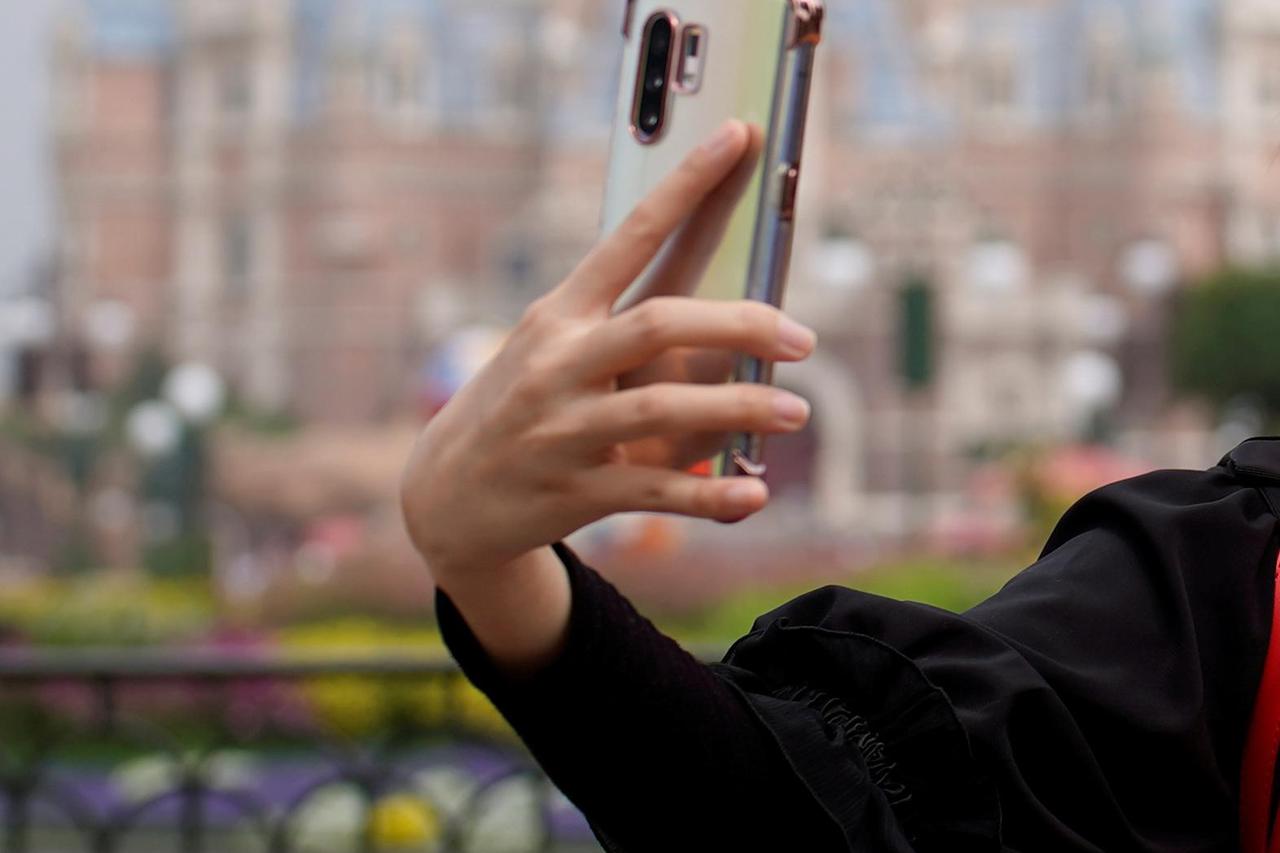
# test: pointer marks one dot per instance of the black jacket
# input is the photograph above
(1098, 702)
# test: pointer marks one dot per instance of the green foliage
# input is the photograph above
(270, 423)
(954, 585)
(1226, 338)
(75, 555)
(105, 610)
(144, 382)
(185, 555)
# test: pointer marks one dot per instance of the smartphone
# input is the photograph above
(687, 66)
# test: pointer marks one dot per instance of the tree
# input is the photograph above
(1226, 338)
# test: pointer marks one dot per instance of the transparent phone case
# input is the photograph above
(756, 65)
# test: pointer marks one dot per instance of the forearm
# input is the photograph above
(519, 613)
(654, 748)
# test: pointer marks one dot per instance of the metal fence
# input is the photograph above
(219, 752)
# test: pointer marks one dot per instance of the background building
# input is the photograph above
(1000, 201)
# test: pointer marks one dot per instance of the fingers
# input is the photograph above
(692, 449)
(678, 408)
(682, 364)
(639, 335)
(624, 488)
(709, 366)
(688, 254)
(678, 452)
(616, 262)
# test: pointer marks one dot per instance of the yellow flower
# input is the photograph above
(403, 821)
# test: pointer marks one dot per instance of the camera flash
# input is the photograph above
(693, 41)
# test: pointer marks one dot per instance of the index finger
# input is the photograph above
(614, 263)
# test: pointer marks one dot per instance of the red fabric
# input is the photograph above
(702, 469)
(1257, 830)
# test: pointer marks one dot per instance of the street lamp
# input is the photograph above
(109, 324)
(1149, 267)
(169, 433)
(997, 265)
(26, 322)
(1092, 384)
(196, 391)
(154, 428)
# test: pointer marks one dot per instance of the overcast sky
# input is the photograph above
(24, 139)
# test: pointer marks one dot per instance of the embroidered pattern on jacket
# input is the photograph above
(836, 714)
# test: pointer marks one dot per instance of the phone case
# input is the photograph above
(756, 65)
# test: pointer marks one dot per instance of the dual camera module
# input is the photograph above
(670, 60)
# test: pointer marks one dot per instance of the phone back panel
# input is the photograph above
(742, 61)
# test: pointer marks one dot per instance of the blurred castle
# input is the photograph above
(1000, 199)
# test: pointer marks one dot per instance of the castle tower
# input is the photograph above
(233, 79)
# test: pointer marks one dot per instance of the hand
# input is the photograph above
(545, 439)
(678, 273)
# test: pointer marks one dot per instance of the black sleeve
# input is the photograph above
(655, 748)
(1105, 691)
(1099, 702)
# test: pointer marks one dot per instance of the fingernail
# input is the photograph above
(746, 492)
(796, 338)
(723, 139)
(791, 408)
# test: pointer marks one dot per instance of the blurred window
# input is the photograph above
(1269, 84)
(30, 370)
(995, 82)
(514, 86)
(521, 268)
(237, 251)
(916, 333)
(1104, 71)
(401, 84)
(235, 89)
(843, 262)
(80, 367)
(1104, 83)
(397, 73)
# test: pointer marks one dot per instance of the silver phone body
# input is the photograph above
(757, 66)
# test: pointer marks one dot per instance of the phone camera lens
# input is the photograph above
(649, 109)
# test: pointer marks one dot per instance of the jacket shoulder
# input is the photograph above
(1255, 462)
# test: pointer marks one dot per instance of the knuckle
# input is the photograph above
(558, 489)
(543, 363)
(650, 408)
(755, 404)
(546, 316)
(696, 164)
(547, 436)
(654, 494)
(649, 318)
(757, 319)
(527, 390)
(643, 225)
(536, 313)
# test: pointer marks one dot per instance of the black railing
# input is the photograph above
(180, 751)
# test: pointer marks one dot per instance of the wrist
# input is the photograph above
(458, 573)
(518, 612)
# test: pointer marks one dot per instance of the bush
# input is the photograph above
(954, 585)
(1225, 343)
